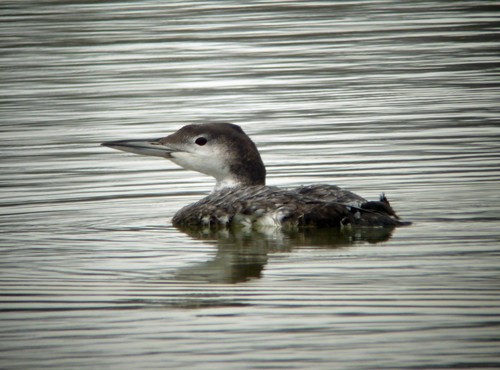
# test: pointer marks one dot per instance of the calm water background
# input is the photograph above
(371, 95)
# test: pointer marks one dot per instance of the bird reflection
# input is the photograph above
(242, 254)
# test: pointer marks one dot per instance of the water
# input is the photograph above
(372, 96)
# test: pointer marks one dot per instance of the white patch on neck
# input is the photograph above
(226, 183)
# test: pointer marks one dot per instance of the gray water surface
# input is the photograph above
(373, 96)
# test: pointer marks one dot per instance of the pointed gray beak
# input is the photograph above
(144, 147)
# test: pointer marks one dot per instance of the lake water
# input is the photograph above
(374, 96)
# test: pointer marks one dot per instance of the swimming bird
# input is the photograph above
(241, 197)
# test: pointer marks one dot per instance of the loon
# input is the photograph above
(241, 197)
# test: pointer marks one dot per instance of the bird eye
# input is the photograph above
(201, 141)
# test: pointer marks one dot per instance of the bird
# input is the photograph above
(241, 197)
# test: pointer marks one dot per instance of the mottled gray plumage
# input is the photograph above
(263, 206)
(224, 151)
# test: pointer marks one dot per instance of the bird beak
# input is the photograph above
(144, 147)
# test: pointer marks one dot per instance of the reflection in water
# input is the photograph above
(242, 253)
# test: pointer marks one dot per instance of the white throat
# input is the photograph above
(226, 183)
